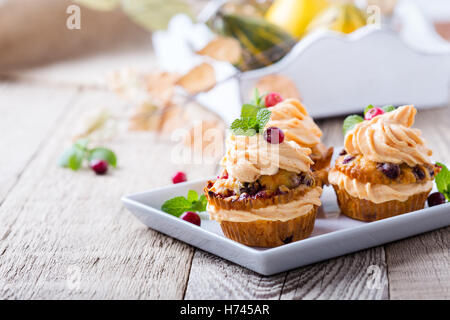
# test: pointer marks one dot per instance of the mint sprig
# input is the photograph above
(388, 108)
(74, 157)
(254, 117)
(178, 205)
(443, 181)
(350, 122)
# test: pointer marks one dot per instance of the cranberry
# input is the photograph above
(435, 199)
(99, 166)
(347, 159)
(343, 152)
(372, 113)
(390, 170)
(272, 99)
(224, 176)
(191, 217)
(274, 135)
(418, 172)
(180, 176)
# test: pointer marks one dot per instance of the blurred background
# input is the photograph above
(34, 33)
(168, 59)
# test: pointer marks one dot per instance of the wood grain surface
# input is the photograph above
(66, 235)
(59, 226)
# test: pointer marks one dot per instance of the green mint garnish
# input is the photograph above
(73, 157)
(443, 181)
(254, 117)
(178, 205)
(262, 117)
(370, 106)
(388, 108)
(350, 122)
(103, 154)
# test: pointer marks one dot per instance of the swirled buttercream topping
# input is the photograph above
(291, 117)
(281, 212)
(377, 193)
(247, 158)
(389, 138)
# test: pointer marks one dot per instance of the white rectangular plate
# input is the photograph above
(334, 234)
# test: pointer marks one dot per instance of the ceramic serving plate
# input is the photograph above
(334, 234)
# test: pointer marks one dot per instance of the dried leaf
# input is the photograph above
(146, 118)
(278, 83)
(199, 79)
(223, 49)
(91, 122)
(161, 86)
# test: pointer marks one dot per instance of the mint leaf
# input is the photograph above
(82, 144)
(192, 196)
(103, 154)
(388, 108)
(257, 99)
(71, 158)
(443, 181)
(176, 206)
(262, 117)
(254, 117)
(350, 122)
(244, 126)
(368, 108)
(249, 111)
(200, 205)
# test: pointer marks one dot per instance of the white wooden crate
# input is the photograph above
(335, 73)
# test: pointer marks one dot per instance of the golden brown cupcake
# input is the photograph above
(384, 169)
(266, 194)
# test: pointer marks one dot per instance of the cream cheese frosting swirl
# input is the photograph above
(247, 158)
(389, 138)
(291, 117)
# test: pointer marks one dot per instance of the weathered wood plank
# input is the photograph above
(66, 235)
(419, 267)
(212, 277)
(357, 276)
(340, 278)
(28, 113)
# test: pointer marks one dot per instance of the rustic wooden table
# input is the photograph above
(66, 235)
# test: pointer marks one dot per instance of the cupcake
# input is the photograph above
(384, 169)
(291, 116)
(266, 194)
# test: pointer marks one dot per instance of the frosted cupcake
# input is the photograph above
(384, 169)
(266, 194)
